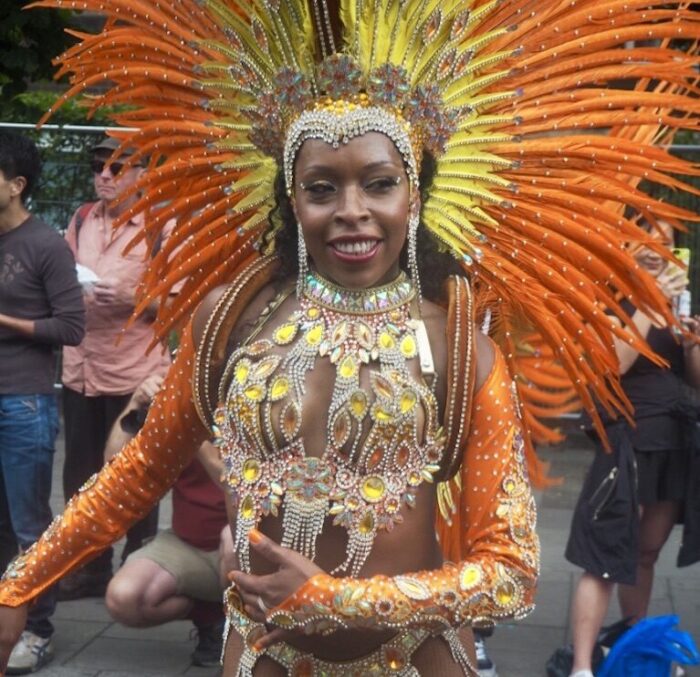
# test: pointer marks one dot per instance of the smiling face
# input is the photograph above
(352, 203)
(650, 260)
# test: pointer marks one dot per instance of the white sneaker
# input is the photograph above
(485, 665)
(30, 653)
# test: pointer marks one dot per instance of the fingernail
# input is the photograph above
(258, 646)
(254, 536)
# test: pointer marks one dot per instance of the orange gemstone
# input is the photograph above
(375, 458)
(395, 659)
(303, 668)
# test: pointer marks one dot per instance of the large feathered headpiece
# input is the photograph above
(543, 116)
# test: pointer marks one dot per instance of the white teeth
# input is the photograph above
(360, 247)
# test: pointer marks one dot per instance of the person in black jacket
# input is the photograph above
(41, 309)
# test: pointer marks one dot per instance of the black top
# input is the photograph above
(657, 393)
(38, 282)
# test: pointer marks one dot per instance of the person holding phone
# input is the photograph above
(632, 498)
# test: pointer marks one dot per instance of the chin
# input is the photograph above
(364, 279)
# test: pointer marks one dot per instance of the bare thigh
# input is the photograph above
(433, 657)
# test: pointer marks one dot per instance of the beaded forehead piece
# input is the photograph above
(543, 117)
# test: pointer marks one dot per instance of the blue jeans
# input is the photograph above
(28, 429)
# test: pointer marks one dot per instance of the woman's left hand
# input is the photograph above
(692, 324)
(261, 594)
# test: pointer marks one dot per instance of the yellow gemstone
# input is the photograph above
(408, 401)
(352, 503)
(348, 367)
(251, 470)
(408, 346)
(414, 478)
(314, 335)
(248, 508)
(358, 404)
(285, 333)
(382, 415)
(242, 371)
(509, 485)
(255, 392)
(313, 313)
(280, 387)
(386, 340)
(366, 525)
(373, 488)
(505, 593)
(284, 620)
(469, 577)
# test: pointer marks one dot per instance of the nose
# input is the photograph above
(106, 172)
(352, 205)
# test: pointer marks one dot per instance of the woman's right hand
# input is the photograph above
(12, 623)
(672, 282)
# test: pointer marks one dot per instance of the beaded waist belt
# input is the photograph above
(392, 658)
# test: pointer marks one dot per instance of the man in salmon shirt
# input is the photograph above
(101, 374)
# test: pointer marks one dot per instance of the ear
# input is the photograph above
(17, 185)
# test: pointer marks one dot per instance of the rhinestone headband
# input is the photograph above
(344, 122)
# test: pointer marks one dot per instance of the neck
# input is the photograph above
(14, 215)
(115, 208)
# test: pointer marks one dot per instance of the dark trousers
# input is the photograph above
(28, 429)
(88, 422)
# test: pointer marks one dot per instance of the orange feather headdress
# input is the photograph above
(544, 116)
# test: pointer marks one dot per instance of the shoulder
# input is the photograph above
(243, 299)
(485, 356)
(44, 238)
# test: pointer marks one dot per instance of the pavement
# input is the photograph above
(90, 644)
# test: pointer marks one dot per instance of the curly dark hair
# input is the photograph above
(435, 264)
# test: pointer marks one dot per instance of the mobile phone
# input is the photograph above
(682, 303)
(683, 255)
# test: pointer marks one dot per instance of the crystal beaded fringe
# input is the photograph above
(302, 523)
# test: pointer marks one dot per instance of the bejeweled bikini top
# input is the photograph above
(382, 435)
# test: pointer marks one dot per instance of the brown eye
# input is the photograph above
(384, 184)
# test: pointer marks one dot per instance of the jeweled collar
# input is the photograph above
(359, 301)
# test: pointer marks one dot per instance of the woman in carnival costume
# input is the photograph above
(356, 185)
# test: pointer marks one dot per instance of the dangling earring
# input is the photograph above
(413, 221)
(303, 261)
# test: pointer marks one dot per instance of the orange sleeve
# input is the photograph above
(121, 493)
(496, 567)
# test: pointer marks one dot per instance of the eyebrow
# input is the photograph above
(368, 167)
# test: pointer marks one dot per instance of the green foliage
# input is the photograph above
(30, 106)
(66, 179)
(28, 42)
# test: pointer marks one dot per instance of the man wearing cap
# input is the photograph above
(101, 374)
